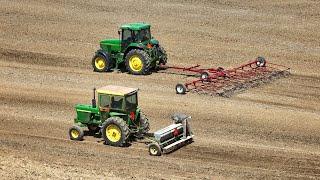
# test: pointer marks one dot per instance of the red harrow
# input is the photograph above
(225, 82)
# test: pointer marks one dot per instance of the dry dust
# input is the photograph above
(267, 132)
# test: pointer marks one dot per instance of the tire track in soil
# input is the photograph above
(61, 150)
(280, 162)
(37, 58)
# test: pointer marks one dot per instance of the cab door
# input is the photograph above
(104, 105)
(127, 38)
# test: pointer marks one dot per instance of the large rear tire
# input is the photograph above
(100, 63)
(115, 131)
(164, 58)
(138, 62)
(144, 124)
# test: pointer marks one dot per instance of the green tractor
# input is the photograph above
(116, 116)
(135, 48)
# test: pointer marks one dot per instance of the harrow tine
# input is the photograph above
(224, 83)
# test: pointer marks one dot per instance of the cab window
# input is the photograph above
(126, 35)
(116, 102)
(131, 101)
(104, 100)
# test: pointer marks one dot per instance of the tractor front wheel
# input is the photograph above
(100, 63)
(115, 131)
(138, 62)
(76, 133)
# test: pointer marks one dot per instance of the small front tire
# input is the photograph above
(76, 133)
(100, 63)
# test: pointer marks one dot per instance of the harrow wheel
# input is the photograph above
(261, 62)
(154, 149)
(204, 75)
(76, 133)
(115, 131)
(181, 89)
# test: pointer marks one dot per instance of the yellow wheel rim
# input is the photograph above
(100, 63)
(74, 133)
(135, 63)
(113, 133)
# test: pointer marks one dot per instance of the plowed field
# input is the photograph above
(271, 131)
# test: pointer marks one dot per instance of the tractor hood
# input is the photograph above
(86, 108)
(110, 45)
(110, 41)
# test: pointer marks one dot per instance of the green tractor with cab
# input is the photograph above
(135, 49)
(115, 115)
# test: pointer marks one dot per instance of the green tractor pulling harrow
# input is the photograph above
(135, 48)
(116, 116)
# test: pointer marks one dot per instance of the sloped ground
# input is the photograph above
(266, 132)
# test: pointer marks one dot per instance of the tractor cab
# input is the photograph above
(135, 49)
(134, 33)
(116, 98)
(115, 114)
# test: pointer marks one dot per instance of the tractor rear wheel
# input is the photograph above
(100, 63)
(144, 124)
(163, 59)
(138, 62)
(76, 133)
(115, 131)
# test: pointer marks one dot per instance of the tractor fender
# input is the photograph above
(141, 47)
(137, 113)
(103, 53)
(116, 114)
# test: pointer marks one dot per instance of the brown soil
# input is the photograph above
(267, 132)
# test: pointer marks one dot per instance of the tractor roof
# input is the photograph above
(135, 26)
(116, 90)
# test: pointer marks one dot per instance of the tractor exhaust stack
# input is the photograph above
(94, 102)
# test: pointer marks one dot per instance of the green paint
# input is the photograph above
(119, 106)
(132, 36)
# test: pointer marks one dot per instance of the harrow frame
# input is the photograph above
(221, 82)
